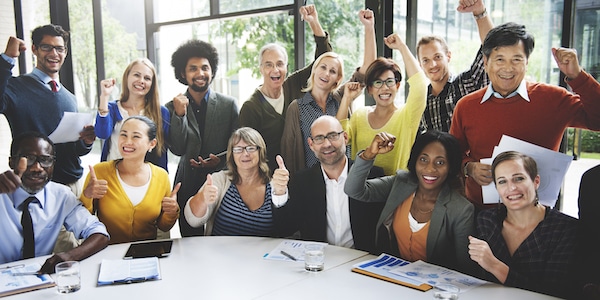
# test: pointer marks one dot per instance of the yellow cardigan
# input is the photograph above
(125, 222)
(404, 124)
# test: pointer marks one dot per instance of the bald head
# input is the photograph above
(326, 121)
(328, 141)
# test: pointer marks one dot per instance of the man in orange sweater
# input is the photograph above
(534, 112)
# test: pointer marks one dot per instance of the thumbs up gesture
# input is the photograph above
(169, 204)
(11, 180)
(96, 188)
(280, 179)
(209, 191)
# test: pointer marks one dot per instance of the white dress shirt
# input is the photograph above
(339, 232)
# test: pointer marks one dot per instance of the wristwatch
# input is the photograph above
(466, 169)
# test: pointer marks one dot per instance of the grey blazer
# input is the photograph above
(187, 142)
(452, 220)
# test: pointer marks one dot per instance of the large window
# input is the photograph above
(229, 6)
(172, 10)
(542, 18)
(239, 39)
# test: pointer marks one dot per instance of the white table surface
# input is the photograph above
(234, 268)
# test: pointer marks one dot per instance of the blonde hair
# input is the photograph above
(152, 108)
(309, 82)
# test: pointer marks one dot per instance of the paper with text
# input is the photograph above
(433, 275)
(115, 271)
(70, 126)
(552, 167)
(293, 248)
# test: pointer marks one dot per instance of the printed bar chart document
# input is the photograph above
(23, 278)
(380, 268)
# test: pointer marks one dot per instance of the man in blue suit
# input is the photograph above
(318, 207)
(202, 121)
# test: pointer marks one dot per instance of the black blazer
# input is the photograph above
(306, 210)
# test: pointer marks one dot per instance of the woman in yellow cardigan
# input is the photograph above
(130, 196)
(382, 79)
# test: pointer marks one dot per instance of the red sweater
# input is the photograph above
(542, 121)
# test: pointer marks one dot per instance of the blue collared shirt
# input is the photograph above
(56, 206)
(521, 90)
(37, 73)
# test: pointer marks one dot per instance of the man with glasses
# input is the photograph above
(202, 121)
(446, 89)
(318, 207)
(37, 102)
(33, 208)
(265, 110)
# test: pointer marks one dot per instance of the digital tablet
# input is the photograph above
(160, 248)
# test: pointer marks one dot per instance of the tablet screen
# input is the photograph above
(161, 248)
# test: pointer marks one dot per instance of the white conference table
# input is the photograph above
(234, 268)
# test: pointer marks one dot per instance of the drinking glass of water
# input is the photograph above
(68, 278)
(446, 291)
(314, 257)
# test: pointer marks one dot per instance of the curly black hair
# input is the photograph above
(193, 48)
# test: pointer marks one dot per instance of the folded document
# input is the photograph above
(124, 271)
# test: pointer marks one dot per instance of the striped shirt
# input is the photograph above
(439, 109)
(235, 218)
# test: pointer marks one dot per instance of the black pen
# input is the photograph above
(12, 267)
(288, 255)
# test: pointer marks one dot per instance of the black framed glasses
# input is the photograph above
(249, 149)
(332, 136)
(44, 160)
(388, 82)
(48, 48)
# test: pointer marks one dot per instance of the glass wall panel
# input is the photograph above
(587, 39)
(172, 10)
(35, 13)
(230, 6)
(124, 36)
(83, 53)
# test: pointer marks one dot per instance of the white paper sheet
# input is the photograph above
(552, 167)
(128, 270)
(490, 194)
(70, 126)
(293, 248)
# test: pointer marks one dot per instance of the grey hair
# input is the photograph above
(273, 47)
